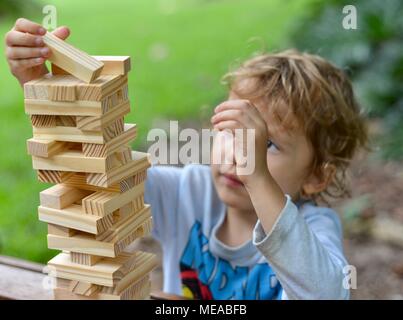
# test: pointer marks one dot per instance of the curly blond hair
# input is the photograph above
(321, 98)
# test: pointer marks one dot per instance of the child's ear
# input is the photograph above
(318, 181)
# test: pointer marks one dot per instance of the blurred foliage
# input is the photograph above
(372, 54)
(17, 7)
(180, 49)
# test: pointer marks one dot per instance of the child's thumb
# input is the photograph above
(62, 32)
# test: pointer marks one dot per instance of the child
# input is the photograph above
(258, 236)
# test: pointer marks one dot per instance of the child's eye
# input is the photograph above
(271, 146)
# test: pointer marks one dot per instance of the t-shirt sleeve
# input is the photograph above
(161, 192)
(305, 251)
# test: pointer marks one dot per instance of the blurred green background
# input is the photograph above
(180, 49)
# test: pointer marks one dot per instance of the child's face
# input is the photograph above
(289, 156)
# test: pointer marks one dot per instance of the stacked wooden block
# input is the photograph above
(96, 207)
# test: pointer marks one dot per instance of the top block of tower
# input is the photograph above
(73, 60)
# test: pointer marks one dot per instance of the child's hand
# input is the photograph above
(25, 50)
(242, 114)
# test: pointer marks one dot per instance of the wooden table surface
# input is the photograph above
(24, 280)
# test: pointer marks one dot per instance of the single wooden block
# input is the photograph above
(52, 176)
(78, 180)
(110, 243)
(102, 150)
(103, 203)
(43, 121)
(71, 160)
(71, 59)
(61, 196)
(45, 148)
(116, 65)
(69, 134)
(113, 65)
(84, 259)
(60, 231)
(135, 291)
(119, 272)
(74, 134)
(139, 163)
(77, 108)
(73, 217)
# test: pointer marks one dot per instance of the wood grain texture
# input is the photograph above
(97, 123)
(44, 88)
(45, 148)
(60, 231)
(73, 217)
(60, 196)
(139, 163)
(52, 176)
(119, 271)
(71, 59)
(112, 241)
(84, 258)
(102, 150)
(43, 121)
(72, 161)
(38, 106)
(102, 203)
(138, 290)
(113, 65)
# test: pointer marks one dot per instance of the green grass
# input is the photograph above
(179, 50)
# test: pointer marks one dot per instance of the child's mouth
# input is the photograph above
(231, 180)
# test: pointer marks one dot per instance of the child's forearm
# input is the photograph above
(267, 198)
(305, 251)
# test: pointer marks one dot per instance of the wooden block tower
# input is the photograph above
(96, 207)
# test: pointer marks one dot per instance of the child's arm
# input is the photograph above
(304, 249)
(25, 50)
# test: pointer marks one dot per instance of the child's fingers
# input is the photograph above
(233, 104)
(228, 124)
(25, 25)
(15, 53)
(232, 114)
(244, 106)
(25, 63)
(17, 38)
(62, 32)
